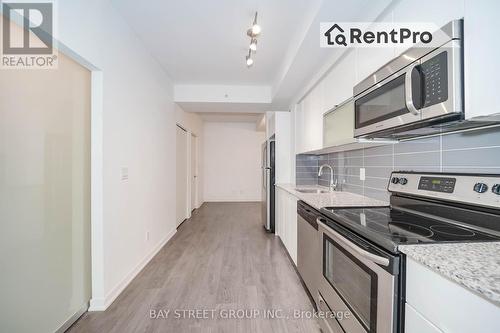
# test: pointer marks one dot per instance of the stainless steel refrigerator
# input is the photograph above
(268, 179)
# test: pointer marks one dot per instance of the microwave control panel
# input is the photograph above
(435, 79)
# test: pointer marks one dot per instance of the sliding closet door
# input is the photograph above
(44, 196)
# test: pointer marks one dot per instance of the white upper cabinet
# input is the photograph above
(340, 80)
(316, 116)
(307, 107)
(482, 54)
(310, 124)
(428, 11)
(370, 59)
(338, 125)
(299, 128)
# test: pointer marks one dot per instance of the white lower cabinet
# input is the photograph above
(416, 323)
(436, 304)
(286, 221)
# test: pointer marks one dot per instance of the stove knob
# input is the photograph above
(480, 187)
(395, 180)
(403, 181)
(496, 189)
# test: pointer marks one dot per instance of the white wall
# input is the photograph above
(138, 132)
(193, 124)
(232, 160)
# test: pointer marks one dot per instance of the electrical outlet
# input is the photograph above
(362, 175)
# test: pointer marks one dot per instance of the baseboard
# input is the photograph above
(67, 324)
(232, 199)
(101, 304)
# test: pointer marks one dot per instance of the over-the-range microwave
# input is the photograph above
(423, 87)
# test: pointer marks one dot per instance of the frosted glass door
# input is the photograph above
(44, 196)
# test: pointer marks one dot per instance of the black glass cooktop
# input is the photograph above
(391, 227)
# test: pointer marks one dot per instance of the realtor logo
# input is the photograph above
(27, 35)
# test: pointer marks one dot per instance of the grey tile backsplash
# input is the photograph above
(473, 151)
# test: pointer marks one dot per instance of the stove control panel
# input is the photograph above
(437, 184)
(474, 189)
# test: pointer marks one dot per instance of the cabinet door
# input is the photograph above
(339, 125)
(429, 11)
(283, 230)
(340, 80)
(370, 59)
(482, 54)
(299, 128)
(312, 114)
(416, 323)
(316, 117)
(277, 212)
(292, 227)
(444, 302)
(285, 221)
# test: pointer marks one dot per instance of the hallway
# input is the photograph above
(220, 259)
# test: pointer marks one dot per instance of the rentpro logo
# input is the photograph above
(369, 34)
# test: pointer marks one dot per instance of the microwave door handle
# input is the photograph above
(408, 92)
(370, 256)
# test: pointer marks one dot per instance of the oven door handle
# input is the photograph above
(408, 92)
(370, 256)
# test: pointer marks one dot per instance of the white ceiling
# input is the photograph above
(205, 41)
(202, 45)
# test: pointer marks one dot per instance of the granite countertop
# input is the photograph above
(331, 199)
(475, 266)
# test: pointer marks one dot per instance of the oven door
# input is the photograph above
(429, 88)
(358, 280)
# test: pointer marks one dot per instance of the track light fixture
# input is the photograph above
(249, 59)
(253, 44)
(253, 32)
(255, 29)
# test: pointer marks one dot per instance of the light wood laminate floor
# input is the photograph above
(220, 259)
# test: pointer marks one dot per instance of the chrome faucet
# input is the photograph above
(333, 185)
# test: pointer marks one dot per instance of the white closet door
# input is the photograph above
(194, 172)
(44, 196)
(181, 175)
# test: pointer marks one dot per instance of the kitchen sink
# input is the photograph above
(311, 190)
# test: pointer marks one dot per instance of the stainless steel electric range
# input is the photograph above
(362, 268)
